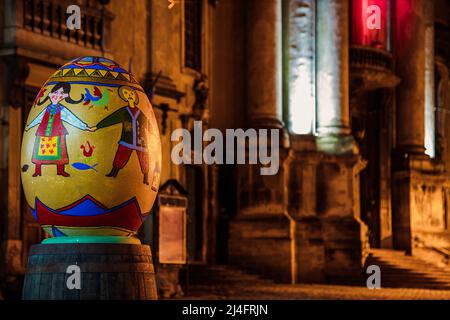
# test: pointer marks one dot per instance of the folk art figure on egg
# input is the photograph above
(93, 115)
(50, 145)
(134, 129)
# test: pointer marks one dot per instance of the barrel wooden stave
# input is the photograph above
(108, 272)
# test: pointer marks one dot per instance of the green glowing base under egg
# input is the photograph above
(93, 239)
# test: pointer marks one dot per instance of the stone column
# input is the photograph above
(430, 103)
(264, 63)
(414, 56)
(261, 233)
(343, 234)
(300, 42)
(264, 93)
(332, 56)
(443, 109)
(411, 57)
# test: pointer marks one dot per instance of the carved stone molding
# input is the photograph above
(162, 85)
(371, 69)
(201, 90)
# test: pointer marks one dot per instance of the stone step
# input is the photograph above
(388, 267)
(397, 271)
(400, 260)
(394, 275)
(213, 279)
(411, 270)
(218, 272)
(386, 272)
(397, 282)
(403, 271)
(406, 281)
(216, 269)
(409, 264)
(221, 275)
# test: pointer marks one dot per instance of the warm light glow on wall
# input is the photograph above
(362, 17)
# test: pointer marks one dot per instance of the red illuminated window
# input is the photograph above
(370, 23)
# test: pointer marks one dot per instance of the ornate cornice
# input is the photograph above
(371, 69)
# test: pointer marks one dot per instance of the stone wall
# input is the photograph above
(131, 42)
(263, 244)
(331, 241)
(429, 204)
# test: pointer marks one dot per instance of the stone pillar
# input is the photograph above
(342, 239)
(264, 63)
(300, 57)
(413, 38)
(261, 237)
(332, 56)
(411, 57)
(443, 109)
(430, 103)
(299, 34)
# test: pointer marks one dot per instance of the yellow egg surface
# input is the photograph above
(91, 151)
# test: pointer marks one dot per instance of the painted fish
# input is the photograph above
(84, 166)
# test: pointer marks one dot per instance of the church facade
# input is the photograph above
(359, 95)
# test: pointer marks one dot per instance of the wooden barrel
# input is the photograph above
(107, 272)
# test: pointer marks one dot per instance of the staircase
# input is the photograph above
(397, 271)
(401, 271)
(217, 279)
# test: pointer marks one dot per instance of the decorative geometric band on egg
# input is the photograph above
(90, 68)
(86, 215)
(91, 151)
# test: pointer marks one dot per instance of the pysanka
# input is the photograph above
(91, 131)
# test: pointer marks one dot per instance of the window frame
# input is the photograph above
(185, 68)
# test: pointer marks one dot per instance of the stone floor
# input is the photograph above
(307, 292)
(402, 277)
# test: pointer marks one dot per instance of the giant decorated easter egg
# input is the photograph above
(91, 151)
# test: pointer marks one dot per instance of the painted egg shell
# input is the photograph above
(91, 151)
